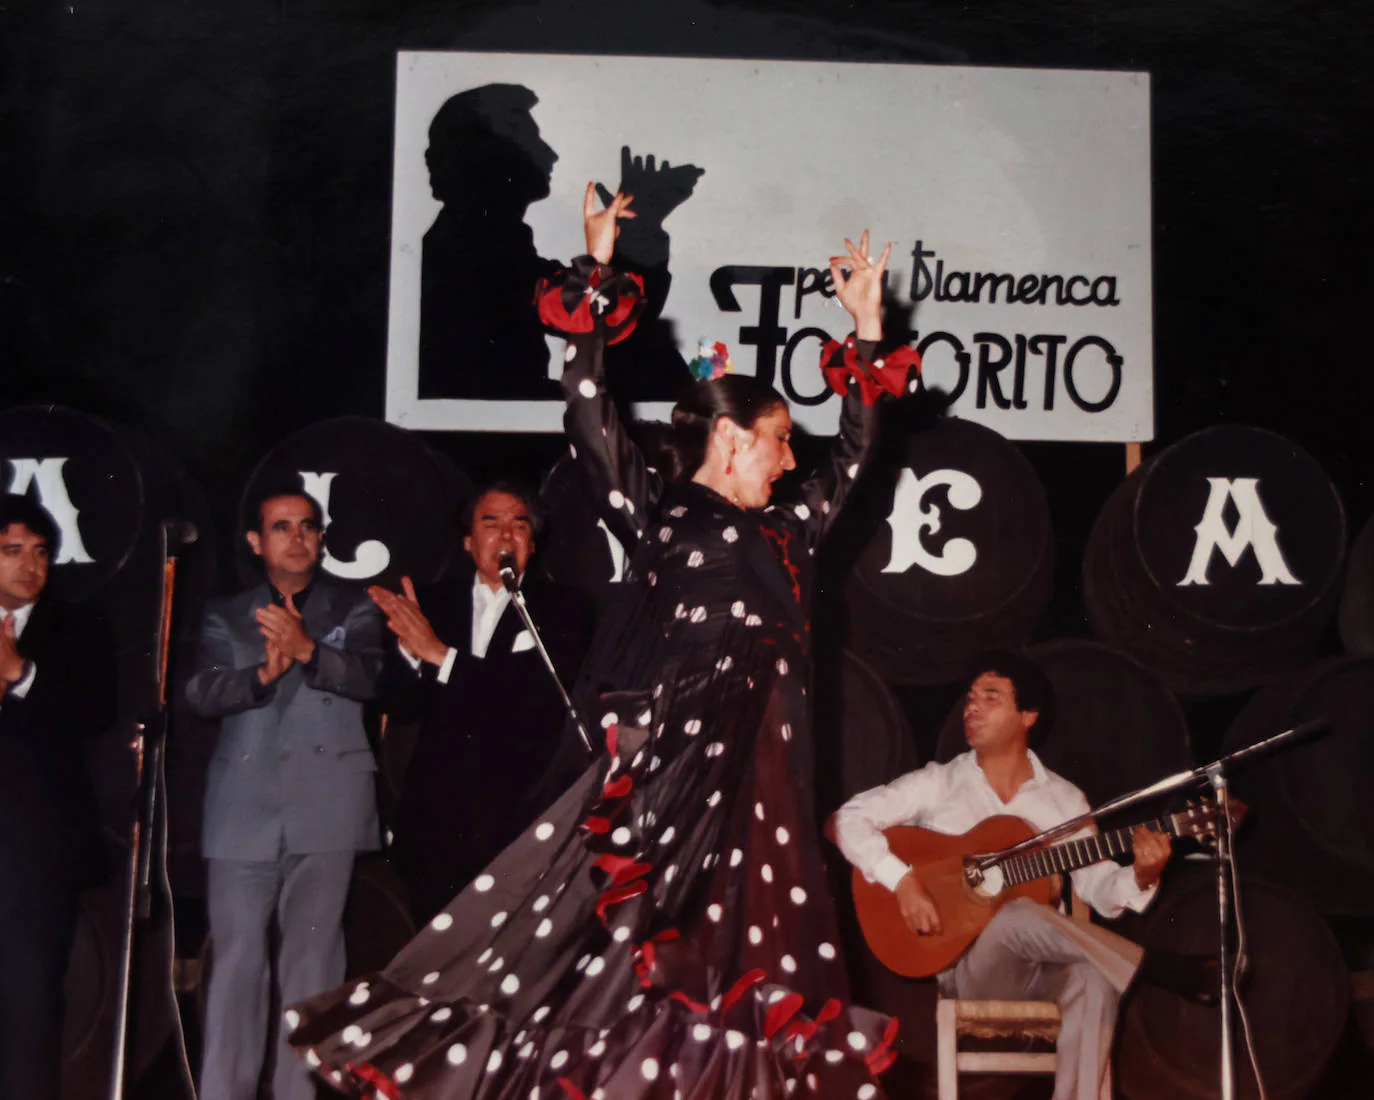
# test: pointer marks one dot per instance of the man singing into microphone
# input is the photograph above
(490, 714)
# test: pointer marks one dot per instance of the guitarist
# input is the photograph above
(1027, 951)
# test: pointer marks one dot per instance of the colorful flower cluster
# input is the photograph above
(712, 361)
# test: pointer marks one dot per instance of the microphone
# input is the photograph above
(505, 565)
(180, 531)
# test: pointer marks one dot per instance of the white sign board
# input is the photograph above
(1017, 201)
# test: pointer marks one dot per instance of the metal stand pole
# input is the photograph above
(518, 599)
(1217, 777)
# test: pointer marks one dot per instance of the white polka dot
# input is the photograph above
(559, 1060)
(802, 511)
(714, 912)
(725, 664)
(752, 620)
(609, 719)
(293, 1019)
(736, 857)
(587, 388)
(540, 1013)
(834, 1057)
(596, 966)
(524, 1052)
(788, 963)
(617, 498)
(766, 872)
(644, 719)
(312, 1057)
(825, 507)
(798, 896)
(629, 506)
(635, 1002)
(715, 748)
(621, 836)
(510, 985)
(498, 919)
(363, 1039)
(867, 1092)
(737, 609)
(648, 1069)
(729, 534)
(811, 1081)
(695, 558)
(755, 934)
(494, 1062)
(442, 923)
(853, 470)
(496, 965)
(543, 830)
(664, 534)
(677, 511)
(782, 835)
(582, 963)
(598, 1048)
(701, 1032)
(440, 1015)
(621, 934)
(734, 1039)
(680, 612)
(692, 727)
(457, 1054)
(668, 835)
(351, 1033)
(856, 1041)
(540, 904)
(654, 761)
(670, 872)
(698, 615)
(569, 353)
(826, 951)
(782, 666)
(483, 883)
(404, 1073)
(430, 978)
(714, 800)
(653, 580)
(758, 810)
(786, 730)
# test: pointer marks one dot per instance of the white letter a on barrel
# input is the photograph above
(1254, 529)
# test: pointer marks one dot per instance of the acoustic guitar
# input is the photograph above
(969, 880)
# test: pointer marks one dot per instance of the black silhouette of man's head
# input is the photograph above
(485, 149)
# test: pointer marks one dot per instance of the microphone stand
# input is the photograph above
(149, 826)
(1227, 889)
(517, 597)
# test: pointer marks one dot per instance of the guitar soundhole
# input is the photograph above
(987, 883)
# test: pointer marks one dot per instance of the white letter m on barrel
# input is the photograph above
(1254, 529)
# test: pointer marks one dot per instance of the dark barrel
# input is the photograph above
(1311, 819)
(959, 555)
(1217, 563)
(1296, 993)
(393, 506)
(1116, 727)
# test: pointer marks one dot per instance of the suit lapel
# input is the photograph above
(507, 627)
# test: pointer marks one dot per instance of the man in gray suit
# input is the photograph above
(290, 795)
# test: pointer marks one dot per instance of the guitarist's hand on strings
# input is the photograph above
(917, 906)
(1151, 850)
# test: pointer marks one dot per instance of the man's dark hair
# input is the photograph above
(252, 517)
(1030, 685)
(511, 488)
(20, 509)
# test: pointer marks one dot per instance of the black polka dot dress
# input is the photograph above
(664, 929)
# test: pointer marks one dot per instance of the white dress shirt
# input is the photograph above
(953, 798)
(487, 608)
(20, 687)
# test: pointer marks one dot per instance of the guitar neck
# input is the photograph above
(1069, 855)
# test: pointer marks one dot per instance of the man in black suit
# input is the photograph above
(490, 714)
(57, 689)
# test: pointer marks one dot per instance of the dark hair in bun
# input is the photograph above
(738, 397)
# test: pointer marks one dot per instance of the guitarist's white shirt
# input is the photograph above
(954, 797)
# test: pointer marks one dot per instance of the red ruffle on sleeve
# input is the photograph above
(587, 296)
(841, 361)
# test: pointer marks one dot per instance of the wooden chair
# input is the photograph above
(955, 1019)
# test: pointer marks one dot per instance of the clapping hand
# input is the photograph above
(276, 665)
(861, 291)
(408, 622)
(284, 628)
(11, 661)
(603, 226)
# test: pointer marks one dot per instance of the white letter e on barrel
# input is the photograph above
(911, 515)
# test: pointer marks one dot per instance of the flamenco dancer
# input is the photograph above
(664, 928)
